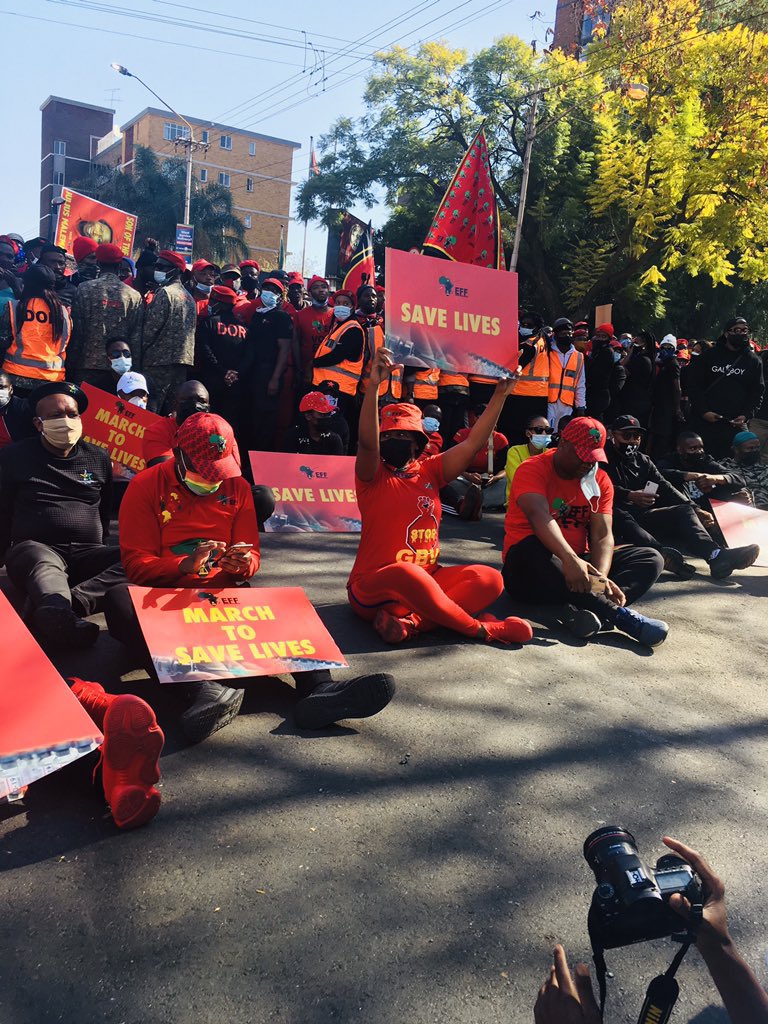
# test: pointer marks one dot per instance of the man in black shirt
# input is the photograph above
(270, 333)
(55, 500)
(650, 512)
(694, 472)
(15, 417)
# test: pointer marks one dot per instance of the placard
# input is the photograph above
(457, 316)
(81, 215)
(116, 426)
(42, 724)
(313, 493)
(185, 240)
(232, 633)
(743, 524)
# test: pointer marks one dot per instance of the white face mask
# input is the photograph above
(342, 312)
(541, 440)
(121, 364)
(590, 487)
(160, 276)
(5, 397)
(269, 299)
(138, 400)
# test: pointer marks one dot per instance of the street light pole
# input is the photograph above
(530, 136)
(190, 145)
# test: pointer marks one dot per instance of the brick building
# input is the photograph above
(575, 22)
(70, 134)
(256, 168)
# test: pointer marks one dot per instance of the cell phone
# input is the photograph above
(650, 487)
(240, 548)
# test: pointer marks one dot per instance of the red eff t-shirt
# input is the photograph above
(161, 522)
(312, 325)
(567, 505)
(401, 517)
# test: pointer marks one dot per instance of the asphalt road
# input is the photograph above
(413, 868)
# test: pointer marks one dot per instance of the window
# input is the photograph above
(204, 175)
(204, 136)
(225, 142)
(59, 148)
(223, 178)
(247, 220)
(58, 177)
(172, 132)
(249, 184)
(251, 149)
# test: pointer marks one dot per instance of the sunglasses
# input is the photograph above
(541, 430)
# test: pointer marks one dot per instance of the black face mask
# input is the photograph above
(693, 458)
(738, 340)
(563, 343)
(189, 407)
(749, 459)
(396, 451)
(626, 450)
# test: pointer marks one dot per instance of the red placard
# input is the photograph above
(743, 524)
(42, 725)
(118, 427)
(457, 316)
(313, 493)
(232, 633)
(81, 215)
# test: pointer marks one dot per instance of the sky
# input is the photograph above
(246, 71)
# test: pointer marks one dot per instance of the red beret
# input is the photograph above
(83, 246)
(380, 289)
(295, 278)
(606, 329)
(172, 257)
(250, 263)
(108, 252)
(221, 293)
(275, 281)
(316, 279)
(345, 292)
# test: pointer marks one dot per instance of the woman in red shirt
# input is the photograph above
(397, 581)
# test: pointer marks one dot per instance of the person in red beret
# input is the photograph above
(249, 277)
(297, 295)
(84, 251)
(166, 346)
(104, 311)
(313, 435)
(313, 324)
(201, 280)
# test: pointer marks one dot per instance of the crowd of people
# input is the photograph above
(604, 453)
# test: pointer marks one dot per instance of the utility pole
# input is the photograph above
(530, 136)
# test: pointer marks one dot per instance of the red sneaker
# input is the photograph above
(507, 631)
(393, 629)
(93, 697)
(130, 760)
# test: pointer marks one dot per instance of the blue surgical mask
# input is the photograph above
(541, 440)
(525, 332)
(616, 356)
(160, 277)
(204, 288)
(269, 299)
(430, 424)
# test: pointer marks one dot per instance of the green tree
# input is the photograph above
(154, 191)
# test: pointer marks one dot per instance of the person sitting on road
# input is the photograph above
(650, 511)
(397, 582)
(560, 505)
(538, 435)
(485, 478)
(746, 462)
(696, 473)
(563, 999)
(192, 520)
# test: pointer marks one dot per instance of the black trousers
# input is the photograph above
(123, 625)
(676, 525)
(453, 401)
(77, 575)
(530, 575)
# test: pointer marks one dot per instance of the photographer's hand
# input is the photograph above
(743, 996)
(563, 1000)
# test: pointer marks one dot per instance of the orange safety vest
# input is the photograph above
(346, 373)
(453, 380)
(425, 385)
(375, 339)
(563, 379)
(534, 378)
(34, 351)
(475, 379)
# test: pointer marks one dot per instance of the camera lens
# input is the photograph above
(606, 843)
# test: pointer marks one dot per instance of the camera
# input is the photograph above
(631, 901)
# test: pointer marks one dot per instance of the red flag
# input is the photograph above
(356, 265)
(313, 165)
(467, 226)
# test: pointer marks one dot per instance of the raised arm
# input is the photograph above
(368, 454)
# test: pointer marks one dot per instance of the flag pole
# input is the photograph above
(309, 172)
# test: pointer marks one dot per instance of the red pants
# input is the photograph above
(450, 596)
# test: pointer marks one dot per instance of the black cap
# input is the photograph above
(626, 422)
(59, 387)
(562, 321)
(735, 320)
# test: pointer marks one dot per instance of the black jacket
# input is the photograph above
(632, 473)
(674, 470)
(725, 382)
(598, 374)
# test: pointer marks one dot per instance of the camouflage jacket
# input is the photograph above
(103, 310)
(167, 335)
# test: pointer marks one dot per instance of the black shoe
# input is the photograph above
(471, 507)
(676, 564)
(57, 626)
(330, 702)
(580, 621)
(729, 559)
(213, 706)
